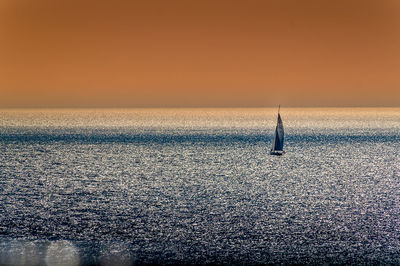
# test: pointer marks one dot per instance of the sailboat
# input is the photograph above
(277, 144)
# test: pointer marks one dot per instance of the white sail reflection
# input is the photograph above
(20, 252)
(62, 253)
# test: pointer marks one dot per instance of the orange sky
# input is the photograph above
(118, 53)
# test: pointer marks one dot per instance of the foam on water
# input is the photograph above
(198, 186)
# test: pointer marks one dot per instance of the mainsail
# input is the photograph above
(277, 145)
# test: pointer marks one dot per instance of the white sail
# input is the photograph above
(277, 144)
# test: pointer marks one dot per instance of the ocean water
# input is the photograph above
(198, 186)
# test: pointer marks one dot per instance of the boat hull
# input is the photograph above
(277, 153)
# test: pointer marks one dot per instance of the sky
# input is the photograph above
(250, 53)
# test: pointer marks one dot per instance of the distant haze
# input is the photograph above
(150, 53)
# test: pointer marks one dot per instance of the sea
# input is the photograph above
(198, 186)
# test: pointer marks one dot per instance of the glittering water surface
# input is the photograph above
(199, 186)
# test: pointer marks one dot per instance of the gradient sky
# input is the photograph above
(117, 53)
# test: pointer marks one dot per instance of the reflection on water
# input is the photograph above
(108, 187)
(118, 254)
(14, 253)
(62, 253)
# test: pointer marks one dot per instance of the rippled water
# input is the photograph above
(199, 186)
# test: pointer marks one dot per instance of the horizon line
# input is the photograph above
(186, 107)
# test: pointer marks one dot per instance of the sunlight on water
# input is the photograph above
(118, 187)
(219, 118)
